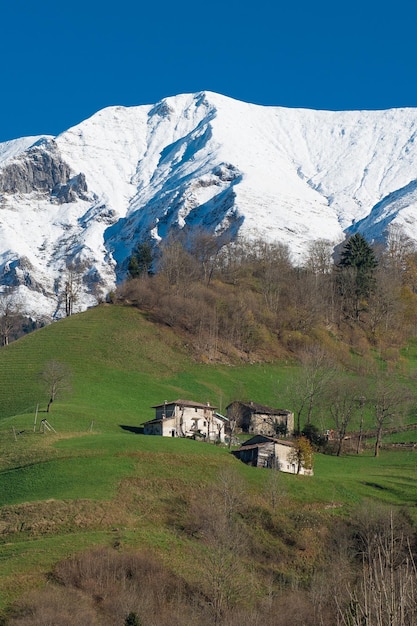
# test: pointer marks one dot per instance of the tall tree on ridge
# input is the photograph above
(357, 264)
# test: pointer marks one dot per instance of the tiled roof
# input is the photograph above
(189, 403)
(255, 407)
(267, 439)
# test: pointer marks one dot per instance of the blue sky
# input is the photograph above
(62, 62)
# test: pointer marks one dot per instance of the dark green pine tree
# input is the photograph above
(141, 261)
(357, 264)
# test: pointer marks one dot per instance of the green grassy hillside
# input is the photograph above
(121, 366)
(97, 481)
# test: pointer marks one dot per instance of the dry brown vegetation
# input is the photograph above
(249, 301)
(56, 516)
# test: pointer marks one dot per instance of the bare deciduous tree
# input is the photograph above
(386, 591)
(233, 415)
(390, 402)
(56, 379)
(385, 307)
(398, 248)
(319, 258)
(10, 315)
(176, 265)
(309, 387)
(275, 272)
(73, 286)
(274, 490)
(344, 400)
(205, 248)
(216, 519)
(69, 286)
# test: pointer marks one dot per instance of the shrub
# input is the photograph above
(132, 620)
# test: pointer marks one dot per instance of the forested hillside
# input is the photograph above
(249, 301)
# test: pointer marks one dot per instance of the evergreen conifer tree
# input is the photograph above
(358, 262)
(141, 261)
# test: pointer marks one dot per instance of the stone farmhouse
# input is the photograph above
(185, 418)
(264, 451)
(251, 417)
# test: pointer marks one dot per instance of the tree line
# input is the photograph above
(351, 408)
(249, 300)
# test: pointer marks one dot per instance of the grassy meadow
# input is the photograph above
(97, 481)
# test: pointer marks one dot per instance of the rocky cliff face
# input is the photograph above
(42, 169)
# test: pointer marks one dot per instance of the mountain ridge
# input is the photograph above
(203, 160)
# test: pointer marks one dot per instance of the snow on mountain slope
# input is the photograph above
(12, 148)
(191, 161)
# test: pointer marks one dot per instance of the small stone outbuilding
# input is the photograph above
(252, 417)
(264, 451)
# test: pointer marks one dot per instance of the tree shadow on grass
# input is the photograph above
(138, 430)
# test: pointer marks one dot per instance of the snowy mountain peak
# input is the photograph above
(203, 160)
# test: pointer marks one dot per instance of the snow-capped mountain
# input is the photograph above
(127, 175)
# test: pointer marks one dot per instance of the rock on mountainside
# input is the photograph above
(126, 175)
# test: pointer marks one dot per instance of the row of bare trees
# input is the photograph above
(322, 393)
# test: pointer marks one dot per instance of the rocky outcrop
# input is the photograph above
(75, 188)
(42, 169)
(20, 272)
